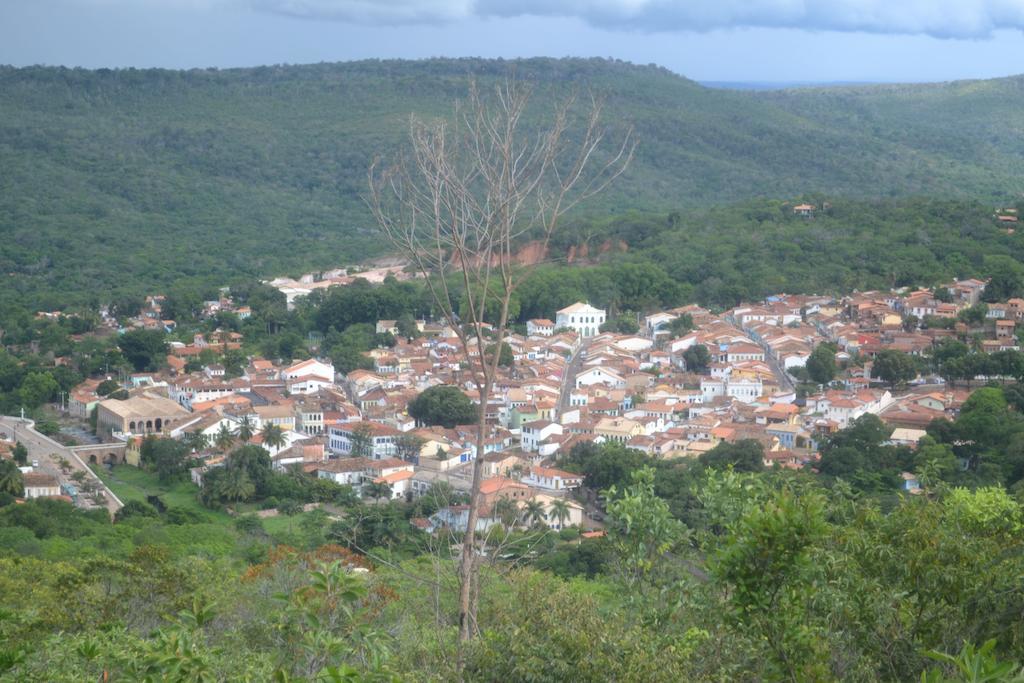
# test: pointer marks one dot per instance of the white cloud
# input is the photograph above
(373, 11)
(940, 18)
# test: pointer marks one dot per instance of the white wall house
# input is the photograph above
(599, 375)
(309, 376)
(634, 344)
(540, 327)
(574, 509)
(40, 485)
(743, 389)
(534, 433)
(192, 390)
(552, 479)
(658, 323)
(384, 439)
(583, 318)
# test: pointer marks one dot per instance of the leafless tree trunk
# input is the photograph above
(458, 204)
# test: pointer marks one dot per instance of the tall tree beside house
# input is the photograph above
(273, 436)
(362, 442)
(245, 430)
(821, 365)
(533, 513)
(377, 490)
(681, 325)
(507, 512)
(443, 405)
(107, 387)
(697, 358)
(894, 367)
(506, 358)
(974, 315)
(406, 325)
(11, 480)
(255, 460)
(224, 439)
(459, 205)
(559, 511)
(20, 454)
(408, 446)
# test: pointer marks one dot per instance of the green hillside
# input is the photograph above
(112, 180)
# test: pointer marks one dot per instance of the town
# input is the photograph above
(785, 373)
(700, 361)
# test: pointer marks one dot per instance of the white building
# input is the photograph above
(346, 471)
(534, 434)
(743, 389)
(552, 479)
(600, 375)
(540, 327)
(383, 439)
(574, 510)
(308, 377)
(583, 318)
(40, 485)
(658, 323)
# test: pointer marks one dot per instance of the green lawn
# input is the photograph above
(275, 525)
(132, 483)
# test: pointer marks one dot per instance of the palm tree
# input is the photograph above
(534, 511)
(11, 480)
(245, 429)
(273, 436)
(506, 511)
(224, 438)
(236, 485)
(559, 511)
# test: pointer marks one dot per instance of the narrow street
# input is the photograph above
(569, 379)
(781, 376)
(785, 381)
(48, 453)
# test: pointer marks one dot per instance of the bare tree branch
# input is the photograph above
(458, 205)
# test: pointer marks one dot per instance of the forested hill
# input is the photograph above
(109, 178)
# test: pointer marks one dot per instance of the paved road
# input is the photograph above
(781, 376)
(569, 380)
(785, 381)
(48, 452)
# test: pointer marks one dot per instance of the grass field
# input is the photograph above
(132, 483)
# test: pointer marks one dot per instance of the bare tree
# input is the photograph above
(457, 206)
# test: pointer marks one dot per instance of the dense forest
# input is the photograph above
(721, 255)
(114, 180)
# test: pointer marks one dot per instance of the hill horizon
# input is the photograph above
(101, 165)
(714, 83)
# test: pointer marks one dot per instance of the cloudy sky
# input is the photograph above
(717, 40)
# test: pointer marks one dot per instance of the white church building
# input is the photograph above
(583, 318)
